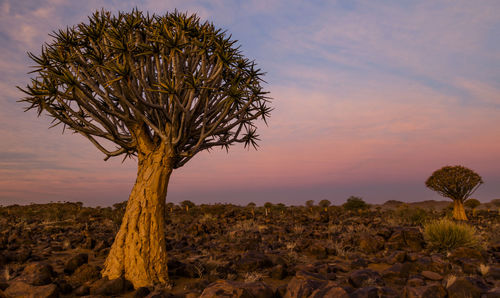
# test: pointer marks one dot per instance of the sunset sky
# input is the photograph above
(369, 97)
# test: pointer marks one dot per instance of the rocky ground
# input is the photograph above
(57, 250)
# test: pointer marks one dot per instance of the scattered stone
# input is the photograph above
(253, 261)
(366, 292)
(397, 273)
(397, 256)
(331, 289)
(406, 239)
(370, 244)
(463, 287)
(225, 288)
(493, 293)
(318, 250)
(110, 287)
(75, 262)
(432, 275)
(467, 253)
(433, 290)
(364, 278)
(493, 272)
(37, 274)
(278, 272)
(415, 282)
(85, 273)
(142, 292)
(23, 289)
(82, 290)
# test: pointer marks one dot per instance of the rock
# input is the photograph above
(318, 250)
(359, 263)
(82, 290)
(142, 292)
(85, 273)
(387, 292)
(463, 287)
(374, 292)
(432, 290)
(176, 268)
(326, 270)
(493, 273)
(467, 253)
(301, 274)
(304, 284)
(225, 288)
(397, 273)
(63, 286)
(37, 274)
(430, 264)
(406, 239)
(254, 261)
(367, 292)
(22, 289)
(331, 289)
(3, 259)
(110, 287)
(365, 277)
(415, 282)
(370, 244)
(493, 293)
(431, 275)
(278, 272)
(75, 262)
(397, 256)
(161, 294)
(19, 256)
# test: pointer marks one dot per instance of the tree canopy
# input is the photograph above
(454, 182)
(170, 79)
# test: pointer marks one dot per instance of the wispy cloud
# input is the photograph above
(367, 94)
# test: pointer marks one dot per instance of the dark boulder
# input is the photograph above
(76, 261)
(108, 287)
(226, 288)
(433, 290)
(364, 278)
(406, 239)
(22, 289)
(37, 274)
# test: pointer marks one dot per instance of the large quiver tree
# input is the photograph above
(161, 88)
(457, 183)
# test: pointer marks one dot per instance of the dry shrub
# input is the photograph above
(445, 235)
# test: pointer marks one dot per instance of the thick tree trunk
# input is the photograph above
(138, 252)
(459, 210)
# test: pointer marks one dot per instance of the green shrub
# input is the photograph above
(355, 203)
(445, 235)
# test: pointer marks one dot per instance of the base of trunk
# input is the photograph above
(138, 252)
(459, 210)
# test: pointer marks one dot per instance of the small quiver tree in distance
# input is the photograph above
(457, 183)
(310, 204)
(162, 88)
(324, 204)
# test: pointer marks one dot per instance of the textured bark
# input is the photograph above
(138, 252)
(459, 210)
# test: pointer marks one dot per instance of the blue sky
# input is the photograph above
(370, 97)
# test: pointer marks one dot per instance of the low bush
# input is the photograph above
(355, 203)
(445, 235)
